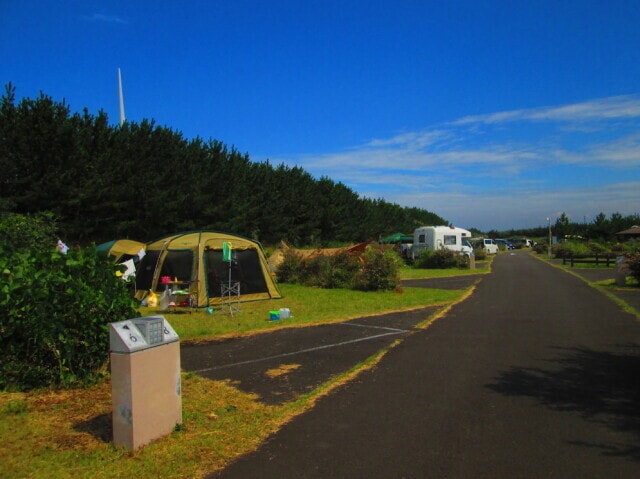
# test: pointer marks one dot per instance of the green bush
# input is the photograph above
(541, 247)
(583, 249)
(54, 315)
(290, 270)
(572, 248)
(35, 233)
(340, 271)
(597, 248)
(376, 269)
(379, 270)
(479, 254)
(441, 259)
(633, 260)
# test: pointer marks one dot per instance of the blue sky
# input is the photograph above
(492, 114)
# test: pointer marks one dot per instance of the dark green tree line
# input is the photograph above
(142, 181)
(600, 228)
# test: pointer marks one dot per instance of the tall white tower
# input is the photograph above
(121, 98)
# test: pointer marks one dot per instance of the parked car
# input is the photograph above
(522, 242)
(508, 245)
(489, 246)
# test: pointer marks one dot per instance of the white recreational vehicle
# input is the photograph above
(441, 237)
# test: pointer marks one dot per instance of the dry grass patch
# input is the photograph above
(282, 370)
(60, 434)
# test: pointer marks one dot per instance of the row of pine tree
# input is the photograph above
(141, 181)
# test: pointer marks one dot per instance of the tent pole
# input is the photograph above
(156, 272)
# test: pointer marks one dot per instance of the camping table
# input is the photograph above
(190, 291)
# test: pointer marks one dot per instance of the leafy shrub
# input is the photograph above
(291, 267)
(584, 249)
(54, 315)
(379, 270)
(479, 254)
(618, 248)
(441, 259)
(342, 270)
(19, 232)
(571, 248)
(633, 261)
(597, 248)
(374, 270)
(541, 248)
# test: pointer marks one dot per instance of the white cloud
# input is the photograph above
(503, 170)
(524, 207)
(101, 17)
(599, 109)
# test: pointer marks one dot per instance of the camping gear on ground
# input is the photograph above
(152, 300)
(198, 257)
(283, 313)
(165, 300)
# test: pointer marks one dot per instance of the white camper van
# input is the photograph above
(441, 237)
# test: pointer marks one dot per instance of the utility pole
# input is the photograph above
(549, 223)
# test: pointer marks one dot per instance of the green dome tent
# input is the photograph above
(198, 257)
(121, 249)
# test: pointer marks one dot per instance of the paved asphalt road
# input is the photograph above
(535, 375)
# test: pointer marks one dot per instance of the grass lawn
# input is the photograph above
(63, 434)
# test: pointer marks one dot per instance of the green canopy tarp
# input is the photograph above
(397, 238)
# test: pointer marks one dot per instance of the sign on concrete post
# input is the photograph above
(146, 387)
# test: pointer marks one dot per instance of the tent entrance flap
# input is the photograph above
(146, 271)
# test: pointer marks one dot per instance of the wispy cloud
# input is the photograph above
(525, 164)
(104, 18)
(599, 109)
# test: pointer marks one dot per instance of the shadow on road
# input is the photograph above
(601, 386)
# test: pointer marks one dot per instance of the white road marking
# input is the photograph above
(374, 327)
(392, 332)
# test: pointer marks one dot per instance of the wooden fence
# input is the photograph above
(605, 259)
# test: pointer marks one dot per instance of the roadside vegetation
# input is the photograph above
(55, 410)
(628, 252)
(441, 259)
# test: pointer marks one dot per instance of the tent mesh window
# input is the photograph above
(178, 264)
(245, 269)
